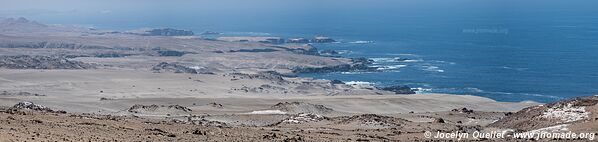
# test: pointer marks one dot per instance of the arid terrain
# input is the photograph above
(64, 83)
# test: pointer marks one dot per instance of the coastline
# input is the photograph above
(149, 85)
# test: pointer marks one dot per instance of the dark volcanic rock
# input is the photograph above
(210, 33)
(25, 105)
(328, 52)
(322, 39)
(301, 107)
(111, 55)
(398, 89)
(297, 40)
(308, 50)
(254, 50)
(167, 52)
(170, 53)
(137, 108)
(336, 82)
(358, 64)
(463, 110)
(40, 62)
(337, 68)
(167, 32)
(362, 60)
(176, 68)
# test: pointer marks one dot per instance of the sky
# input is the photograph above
(214, 12)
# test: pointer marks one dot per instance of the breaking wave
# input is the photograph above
(361, 42)
(390, 67)
(432, 69)
(358, 83)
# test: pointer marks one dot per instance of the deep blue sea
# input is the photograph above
(506, 50)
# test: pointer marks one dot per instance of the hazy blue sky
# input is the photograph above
(24, 7)
(210, 13)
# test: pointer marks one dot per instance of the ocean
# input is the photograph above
(511, 51)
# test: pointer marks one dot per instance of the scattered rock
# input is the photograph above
(371, 120)
(105, 99)
(157, 131)
(463, 110)
(137, 108)
(439, 120)
(111, 55)
(216, 105)
(170, 53)
(303, 118)
(6, 93)
(35, 107)
(564, 112)
(40, 62)
(301, 107)
(176, 68)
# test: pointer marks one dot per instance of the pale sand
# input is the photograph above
(80, 91)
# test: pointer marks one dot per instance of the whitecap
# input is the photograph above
(432, 69)
(343, 51)
(361, 42)
(473, 89)
(355, 72)
(390, 67)
(420, 90)
(358, 83)
(383, 59)
(513, 68)
(445, 62)
(403, 54)
(412, 61)
(540, 95)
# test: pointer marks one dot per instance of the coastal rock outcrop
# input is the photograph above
(574, 114)
(322, 39)
(399, 89)
(297, 40)
(355, 66)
